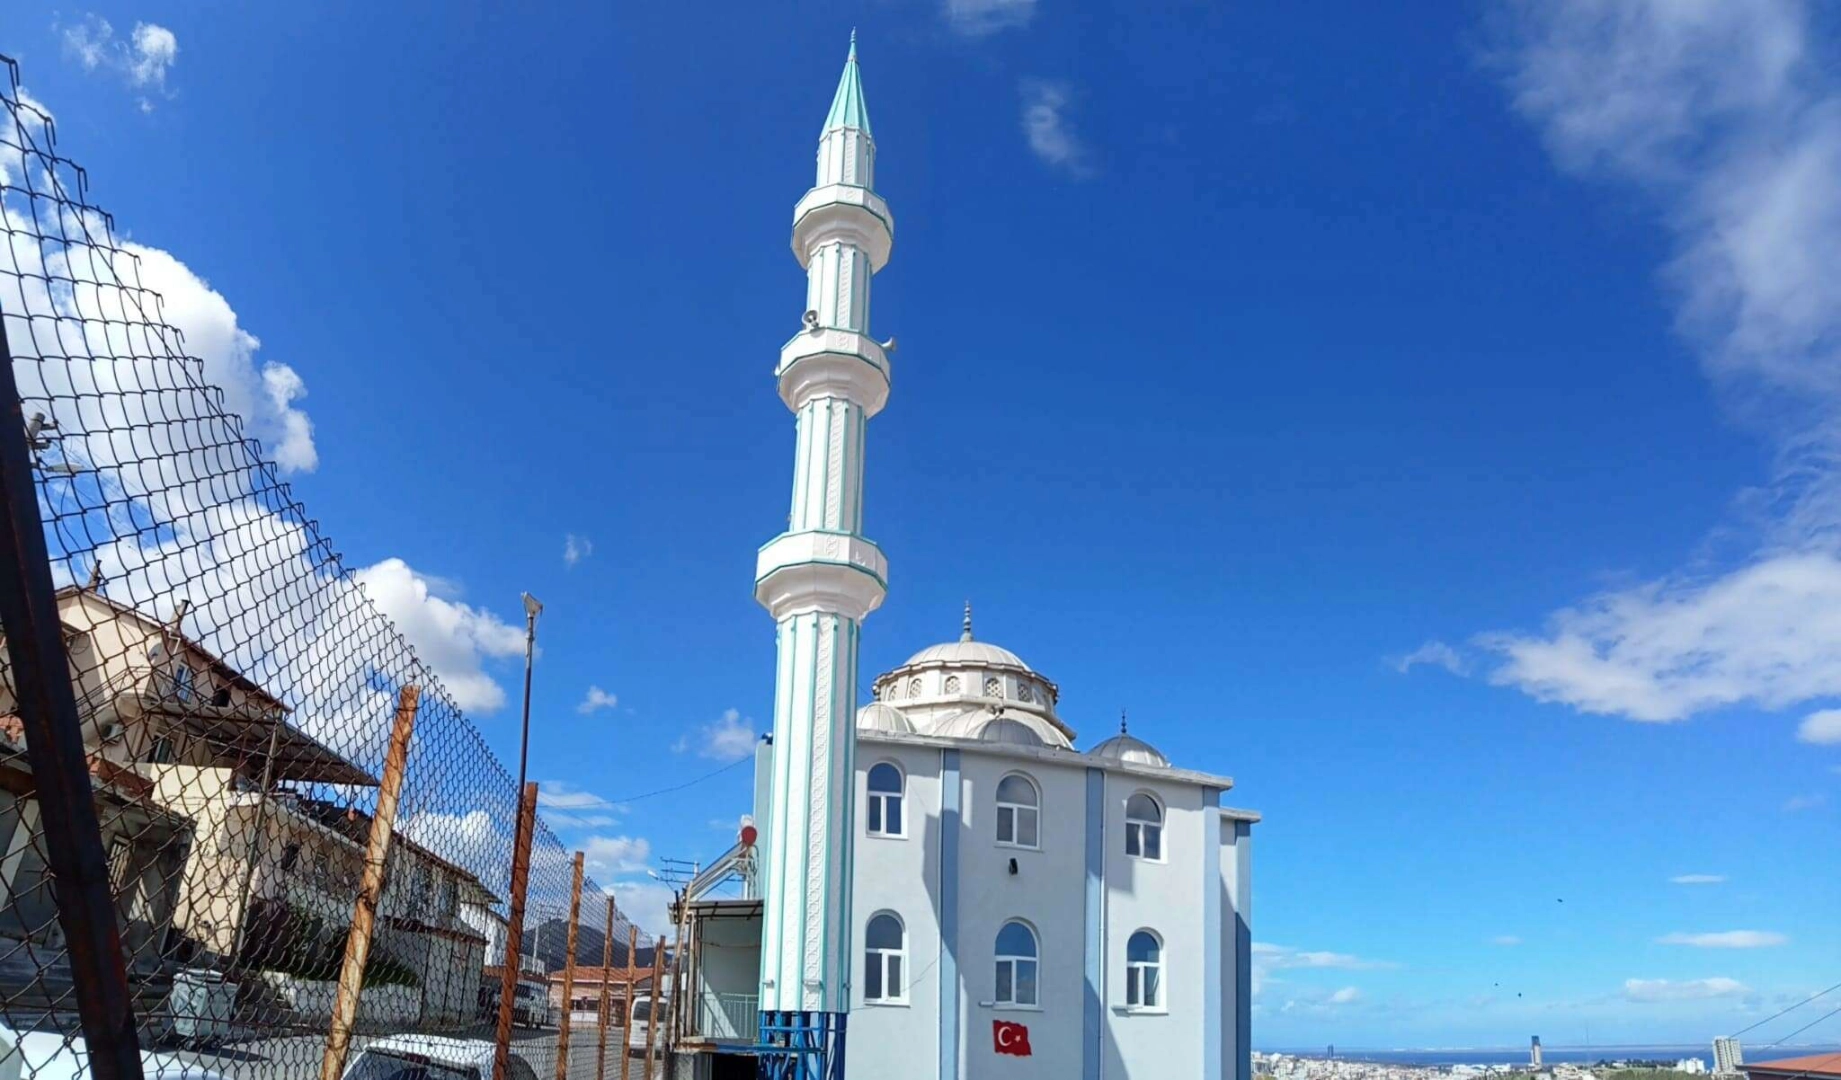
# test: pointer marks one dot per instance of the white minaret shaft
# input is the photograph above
(821, 577)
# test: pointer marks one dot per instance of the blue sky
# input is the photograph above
(1432, 422)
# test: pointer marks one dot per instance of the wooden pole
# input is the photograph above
(626, 1022)
(607, 969)
(677, 971)
(514, 929)
(658, 979)
(562, 1024)
(370, 888)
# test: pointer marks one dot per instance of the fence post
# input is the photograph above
(54, 748)
(626, 1022)
(562, 1023)
(607, 969)
(658, 995)
(370, 888)
(514, 928)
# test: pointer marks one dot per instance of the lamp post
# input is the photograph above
(532, 608)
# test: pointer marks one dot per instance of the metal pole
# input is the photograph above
(607, 968)
(514, 928)
(256, 847)
(562, 1024)
(370, 888)
(532, 608)
(54, 748)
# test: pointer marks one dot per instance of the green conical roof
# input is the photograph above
(848, 109)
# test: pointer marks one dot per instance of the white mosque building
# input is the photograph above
(1014, 907)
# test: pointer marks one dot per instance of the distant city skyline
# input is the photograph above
(1430, 423)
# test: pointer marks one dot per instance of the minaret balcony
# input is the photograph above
(828, 362)
(855, 215)
(833, 572)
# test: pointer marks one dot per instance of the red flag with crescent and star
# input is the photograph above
(1010, 1038)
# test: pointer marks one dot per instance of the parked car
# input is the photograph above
(640, 1019)
(431, 1057)
(47, 1055)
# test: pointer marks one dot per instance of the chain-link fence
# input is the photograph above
(237, 695)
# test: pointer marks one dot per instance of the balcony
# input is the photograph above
(727, 1017)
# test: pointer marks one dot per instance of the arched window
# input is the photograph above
(885, 953)
(1016, 964)
(1018, 810)
(1144, 828)
(952, 684)
(914, 687)
(1144, 971)
(1024, 693)
(993, 688)
(885, 810)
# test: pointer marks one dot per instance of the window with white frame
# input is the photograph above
(885, 954)
(1144, 971)
(1144, 828)
(1016, 964)
(1018, 812)
(885, 800)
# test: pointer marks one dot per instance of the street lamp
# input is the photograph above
(532, 608)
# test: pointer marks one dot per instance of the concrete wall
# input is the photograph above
(899, 875)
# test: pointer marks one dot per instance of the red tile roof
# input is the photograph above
(1815, 1065)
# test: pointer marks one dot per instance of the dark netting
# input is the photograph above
(237, 692)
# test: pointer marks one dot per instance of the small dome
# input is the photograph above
(1016, 729)
(884, 718)
(1129, 750)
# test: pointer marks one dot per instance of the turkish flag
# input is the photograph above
(1010, 1038)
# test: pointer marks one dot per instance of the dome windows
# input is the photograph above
(952, 684)
(993, 687)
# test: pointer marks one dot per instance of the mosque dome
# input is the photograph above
(1019, 729)
(1127, 749)
(944, 681)
(884, 718)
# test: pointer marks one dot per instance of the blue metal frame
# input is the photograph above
(801, 1045)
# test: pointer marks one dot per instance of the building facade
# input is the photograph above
(940, 871)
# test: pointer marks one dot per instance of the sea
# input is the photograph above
(1462, 1055)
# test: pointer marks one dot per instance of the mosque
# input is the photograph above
(938, 884)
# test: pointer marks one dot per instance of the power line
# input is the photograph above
(688, 783)
(1806, 1027)
(1792, 1008)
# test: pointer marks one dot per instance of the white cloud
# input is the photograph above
(142, 61)
(1345, 996)
(1797, 803)
(596, 699)
(610, 856)
(977, 18)
(575, 549)
(568, 806)
(1049, 129)
(1698, 879)
(729, 738)
(1822, 726)
(1433, 654)
(1726, 939)
(452, 638)
(1655, 991)
(1505, 939)
(1275, 957)
(1727, 119)
(646, 904)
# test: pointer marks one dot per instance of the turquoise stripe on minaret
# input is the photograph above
(821, 576)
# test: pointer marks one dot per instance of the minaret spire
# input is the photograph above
(966, 633)
(820, 579)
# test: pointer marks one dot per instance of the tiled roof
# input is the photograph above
(1813, 1065)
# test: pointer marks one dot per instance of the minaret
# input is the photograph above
(819, 579)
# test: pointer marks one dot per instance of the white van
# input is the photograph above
(639, 1021)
